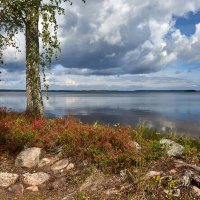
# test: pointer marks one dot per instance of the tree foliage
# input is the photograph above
(14, 16)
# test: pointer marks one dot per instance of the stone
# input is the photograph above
(17, 190)
(68, 198)
(28, 158)
(43, 162)
(55, 159)
(70, 166)
(48, 161)
(61, 164)
(173, 149)
(123, 175)
(172, 171)
(33, 188)
(137, 146)
(196, 191)
(151, 174)
(186, 179)
(7, 179)
(35, 179)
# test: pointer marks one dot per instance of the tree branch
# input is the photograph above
(18, 14)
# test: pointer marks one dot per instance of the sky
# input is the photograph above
(120, 45)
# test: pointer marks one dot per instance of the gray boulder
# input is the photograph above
(173, 149)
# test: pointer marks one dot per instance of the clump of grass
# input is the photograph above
(191, 145)
(156, 150)
(145, 133)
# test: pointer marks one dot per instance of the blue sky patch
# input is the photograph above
(186, 24)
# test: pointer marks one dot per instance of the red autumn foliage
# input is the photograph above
(98, 143)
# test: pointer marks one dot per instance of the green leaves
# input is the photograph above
(16, 15)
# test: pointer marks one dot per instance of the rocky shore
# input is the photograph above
(38, 174)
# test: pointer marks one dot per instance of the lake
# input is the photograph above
(177, 111)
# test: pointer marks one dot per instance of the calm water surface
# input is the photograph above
(179, 111)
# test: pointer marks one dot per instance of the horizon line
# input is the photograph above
(144, 90)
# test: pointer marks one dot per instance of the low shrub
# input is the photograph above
(108, 147)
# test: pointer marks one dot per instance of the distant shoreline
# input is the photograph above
(104, 91)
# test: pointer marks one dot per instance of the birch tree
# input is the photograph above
(24, 16)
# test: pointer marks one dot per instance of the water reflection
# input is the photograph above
(176, 111)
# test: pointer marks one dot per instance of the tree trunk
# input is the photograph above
(33, 83)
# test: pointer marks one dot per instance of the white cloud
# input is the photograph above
(135, 31)
(112, 37)
(11, 55)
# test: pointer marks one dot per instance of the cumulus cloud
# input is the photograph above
(120, 37)
(126, 37)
